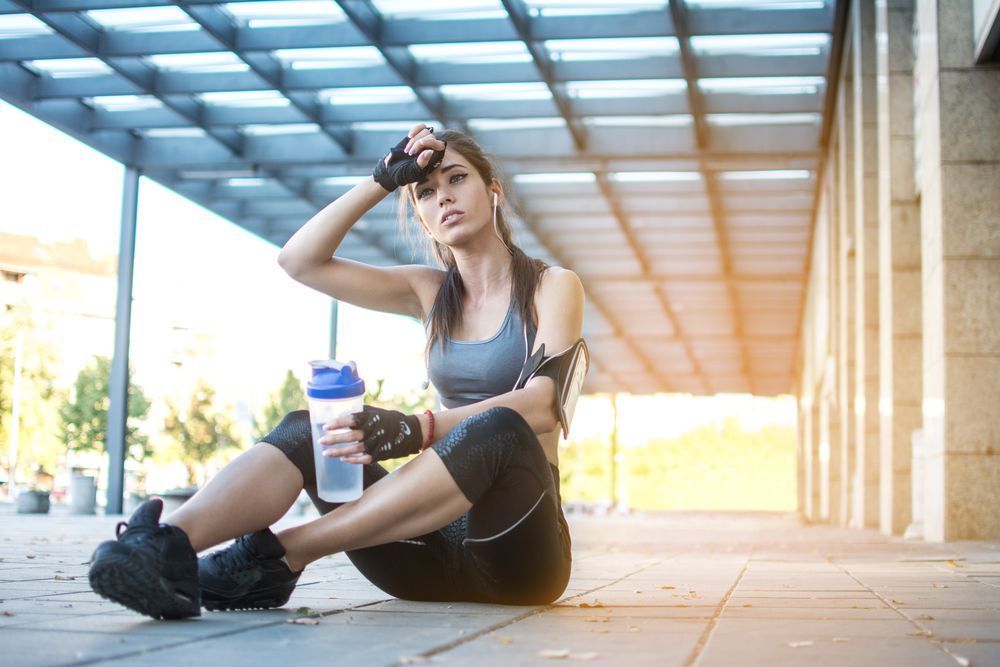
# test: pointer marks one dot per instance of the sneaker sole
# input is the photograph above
(261, 600)
(117, 579)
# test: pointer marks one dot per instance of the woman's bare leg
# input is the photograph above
(416, 499)
(251, 493)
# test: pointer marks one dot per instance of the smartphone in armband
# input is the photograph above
(568, 369)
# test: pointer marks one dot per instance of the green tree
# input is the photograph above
(288, 398)
(39, 448)
(201, 431)
(83, 415)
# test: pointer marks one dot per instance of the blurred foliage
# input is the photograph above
(201, 431)
(714, 467)
(289, 397)
(83, 413)
(39, 447)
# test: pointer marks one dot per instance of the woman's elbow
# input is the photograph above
(543, 401)
(289, 263)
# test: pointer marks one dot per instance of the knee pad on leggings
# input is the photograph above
(478, 450)
(293, 436)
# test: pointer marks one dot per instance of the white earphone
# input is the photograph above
(494, 200)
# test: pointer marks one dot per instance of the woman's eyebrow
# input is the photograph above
(442, 170)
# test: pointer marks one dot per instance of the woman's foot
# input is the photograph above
(151, 568)
(248, 574)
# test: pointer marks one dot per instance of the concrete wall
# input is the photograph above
(909, 221)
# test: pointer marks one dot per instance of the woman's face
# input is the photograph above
(453, 203)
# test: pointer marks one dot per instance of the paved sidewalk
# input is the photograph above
(651, 589)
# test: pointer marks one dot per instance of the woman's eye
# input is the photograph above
(423, 193)
(457, 177)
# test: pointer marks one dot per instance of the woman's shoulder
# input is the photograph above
(425, 281)
(557, 283)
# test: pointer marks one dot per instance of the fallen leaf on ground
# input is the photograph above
(6, 613)
(303, 621)
(807, 642)
(29, 557)
(964, 640)
(925, 617)
(667, 588)
(940, 586)
(591, 605)
(895, 601)
(747, 605)
(637, 592)
(62, 577)
(841, 639)
(952, 563)
(961, 659)
(920, 633)
(554, 653)
(632, 628)
(302, 611)
(501, 639)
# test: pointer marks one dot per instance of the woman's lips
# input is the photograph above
(452, 217)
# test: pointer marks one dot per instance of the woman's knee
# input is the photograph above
(293, 436)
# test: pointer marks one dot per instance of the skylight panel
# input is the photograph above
(124, 102)
(248, 181)
(794, 44)
(453, 10)
(611, 49)
(403, 126)
(766, 85)
(282, 13)
(173, 133)
(22, 25)
(66, 68)
(767, 175)
(343, 180)
(204, 63)
(497, 91)
(143, 19)
(734, 119)
(472, 52)
(654, 176)
(262, 130)
(619, 89)
(591, 7)
(245, 98)
(329, 58)
(367, 95)
(556, 177)
(516, 123)
(670, 120)
(756, 4)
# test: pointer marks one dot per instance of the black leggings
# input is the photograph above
(511, 547)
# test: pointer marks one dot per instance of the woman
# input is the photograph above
(476, 515)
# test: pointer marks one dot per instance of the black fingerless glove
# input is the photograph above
(403, 168)
(388, 434)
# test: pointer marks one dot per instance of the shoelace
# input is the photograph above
(238, 557)
(140, 529)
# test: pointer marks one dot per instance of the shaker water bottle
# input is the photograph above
(334, 389)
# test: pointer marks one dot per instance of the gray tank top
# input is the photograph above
(465, 372)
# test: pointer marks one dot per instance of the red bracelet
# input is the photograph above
(430, 430)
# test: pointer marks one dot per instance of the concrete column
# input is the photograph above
(845, 291)
(957, 125)
(899, 264)
(865, 507)
(806, 440)
(831, 374)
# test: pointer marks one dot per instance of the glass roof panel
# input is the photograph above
(618, 89)
(654, 176)
(123, 102)
(756, 4)
(245, 98)
(385, 125)
(472, 52)
(669, 120)
(452, 10)
(611, 49)
(763, 85)
(367, 95)
(733, 119)
(792, 44)
(590, 7)
(515, 123)
(280, 13)
(143, 19)
(260, 130)
(330, 57)
(343, 180)
(766, 175)
(497, 91)
(173, 133)
(222, 61)
(22, 25)
(65, 68)
(557, 177)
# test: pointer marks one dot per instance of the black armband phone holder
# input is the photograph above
(567, 369)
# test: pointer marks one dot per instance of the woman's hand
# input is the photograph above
(413, 158)
(377, 435)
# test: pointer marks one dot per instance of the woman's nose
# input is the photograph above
(444, 195)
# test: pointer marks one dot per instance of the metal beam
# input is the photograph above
(116, 445)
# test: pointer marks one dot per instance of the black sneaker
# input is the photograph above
(151, 568)
(248, 574)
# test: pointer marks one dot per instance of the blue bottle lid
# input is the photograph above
(334, 379)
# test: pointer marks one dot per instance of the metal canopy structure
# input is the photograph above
(666, 151)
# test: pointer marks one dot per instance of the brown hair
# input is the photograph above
(446, 312)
